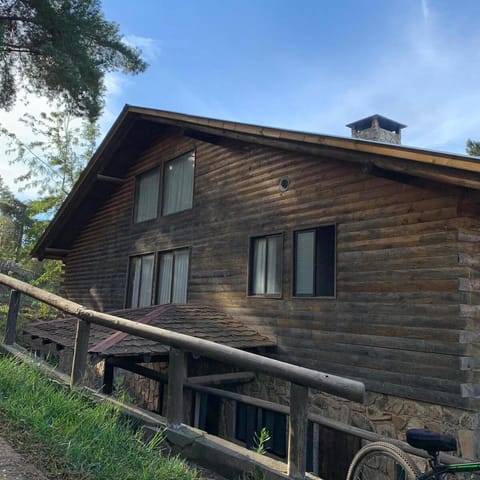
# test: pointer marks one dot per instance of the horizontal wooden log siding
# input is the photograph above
(395, 322)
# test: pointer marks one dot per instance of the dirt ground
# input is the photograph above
(14, 466)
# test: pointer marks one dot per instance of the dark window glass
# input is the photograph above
(250, 420)
(314, 262)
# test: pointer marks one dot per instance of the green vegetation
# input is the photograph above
(61, 49)
(54, 161)
(473, 148)
(75, 437)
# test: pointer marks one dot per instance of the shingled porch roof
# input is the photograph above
(196, 320)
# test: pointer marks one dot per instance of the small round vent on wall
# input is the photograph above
(284, 184)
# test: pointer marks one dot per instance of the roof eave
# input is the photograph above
(452, 169)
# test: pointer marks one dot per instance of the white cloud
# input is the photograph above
(431, 84)
(150, 47)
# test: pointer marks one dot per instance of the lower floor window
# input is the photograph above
(140, 280)
(168, 285)
(249, 422)
(173, 277)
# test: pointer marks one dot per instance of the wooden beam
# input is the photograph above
(139, 369)
(13, 308)
(108, 179)
(80, 353)
(222, 378)
(57, 252)
(177, 373)
(204, 137)
(340, 386)
(461, 171)
(297, 432)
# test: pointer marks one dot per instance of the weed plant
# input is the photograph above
(89, 438)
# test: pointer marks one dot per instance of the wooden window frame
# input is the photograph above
(251, 267)
(315, 295)
(156, 272)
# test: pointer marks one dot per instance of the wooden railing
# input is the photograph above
(301, 379)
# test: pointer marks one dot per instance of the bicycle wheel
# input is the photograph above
(382, 461)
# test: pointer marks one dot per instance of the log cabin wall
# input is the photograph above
(395, 321)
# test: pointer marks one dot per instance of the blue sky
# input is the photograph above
(307, 65)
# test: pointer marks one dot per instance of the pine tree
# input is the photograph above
(62, 49)
(473, 148)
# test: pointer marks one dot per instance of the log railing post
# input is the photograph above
(13, 308)
(80, 353)
(297, 432)
(177, 374)
(108, 376)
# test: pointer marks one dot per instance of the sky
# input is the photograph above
(311, 65)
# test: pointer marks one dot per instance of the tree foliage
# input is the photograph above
(473, 148)
(13, 221)
(63, 48)
(54, 160)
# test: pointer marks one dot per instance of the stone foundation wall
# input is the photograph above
(386, 415)
(393, 416)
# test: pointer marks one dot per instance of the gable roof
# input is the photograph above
(200, 321)
(136, 126)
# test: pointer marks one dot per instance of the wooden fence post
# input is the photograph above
(177, 374)
(80, 353)
(13, 307)
(297, 431)
(108, 375)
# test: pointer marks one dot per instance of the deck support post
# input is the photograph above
(13, 308)
(297, 432)
(177, 374)
(80, 353)
(108, 374)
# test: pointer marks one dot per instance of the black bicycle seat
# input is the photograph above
(431, 441)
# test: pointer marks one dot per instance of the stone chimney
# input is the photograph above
(378, 128)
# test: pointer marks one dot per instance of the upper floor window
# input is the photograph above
(146, 195)
(266, 266)
(314, 262)
(168, 285)
(177, 194)
(178, 184)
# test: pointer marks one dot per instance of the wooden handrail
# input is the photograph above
(339, 386)
(300, 378)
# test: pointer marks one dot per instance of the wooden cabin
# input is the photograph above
(359, 258)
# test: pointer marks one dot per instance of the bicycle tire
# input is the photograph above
(382, 461)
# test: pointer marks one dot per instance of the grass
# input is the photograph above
(75, 437)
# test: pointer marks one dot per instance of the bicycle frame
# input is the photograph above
(438, 470)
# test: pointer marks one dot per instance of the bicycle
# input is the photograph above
(384, 461)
